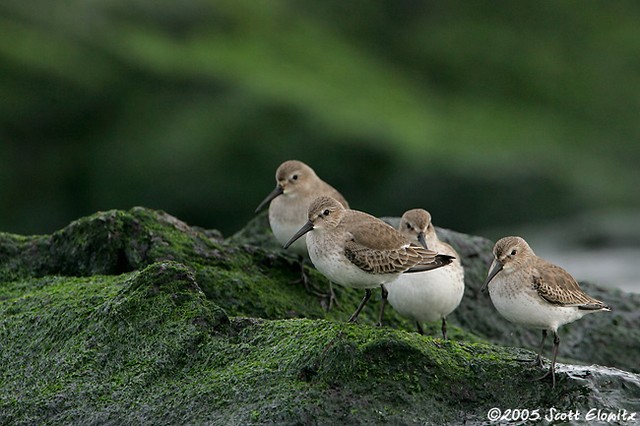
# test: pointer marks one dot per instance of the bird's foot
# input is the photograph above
(549, 372)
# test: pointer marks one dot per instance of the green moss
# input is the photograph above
(199, 330)
(74, 344)
(150, 347)
(107, 243)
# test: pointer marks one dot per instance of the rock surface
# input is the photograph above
(135, 317)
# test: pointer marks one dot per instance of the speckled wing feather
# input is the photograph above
(377, 248)
(558, 287)
(377, 261)
(439, 261)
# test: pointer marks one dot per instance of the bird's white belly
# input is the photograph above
(329, 259)
(426, 296)
(530, 310)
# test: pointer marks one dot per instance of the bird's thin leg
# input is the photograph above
(552, 369)
(367, 295)
(556, 346)
(304, 279)
(383, 303)
(333, 300)
(538, 360)
(419, 327)
(444, 328)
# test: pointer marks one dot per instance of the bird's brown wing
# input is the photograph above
(378, 248)
(378, 261)
(558, 287)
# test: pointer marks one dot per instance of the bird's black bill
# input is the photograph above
(422, 240)
(306, 228)
(497, 268)
(270, 197)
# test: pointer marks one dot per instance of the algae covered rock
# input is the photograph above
(106, 243)
(133, 317)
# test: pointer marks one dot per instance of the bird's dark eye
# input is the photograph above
(514, 252)
(408, 226)
(325, 213)
(294, 177)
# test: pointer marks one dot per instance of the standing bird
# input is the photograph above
(297, 185)
(357, 250)
(532, 292)
(426, 296)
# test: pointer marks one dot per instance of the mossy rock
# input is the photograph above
(135, 317)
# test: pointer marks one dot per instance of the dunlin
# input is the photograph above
(357, 250)
(426, 296)
(297, 185)
(532, 292)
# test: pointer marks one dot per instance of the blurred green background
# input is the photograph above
(496, 116)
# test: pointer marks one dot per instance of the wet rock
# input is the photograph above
(135, 317)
